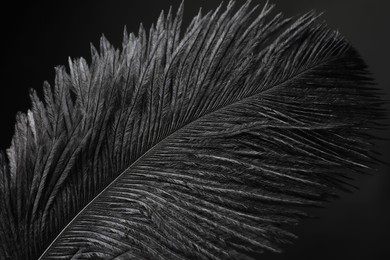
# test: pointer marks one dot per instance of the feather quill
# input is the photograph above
(204, 145)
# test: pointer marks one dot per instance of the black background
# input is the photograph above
(36, 37)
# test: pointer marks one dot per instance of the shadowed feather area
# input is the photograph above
(198, 144)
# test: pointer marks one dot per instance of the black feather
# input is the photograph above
(204, 145)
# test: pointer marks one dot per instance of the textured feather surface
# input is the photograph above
(203, 145)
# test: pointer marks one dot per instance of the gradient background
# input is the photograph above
(38, 37)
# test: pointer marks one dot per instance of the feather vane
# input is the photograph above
(203, 145)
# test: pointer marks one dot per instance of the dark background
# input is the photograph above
(38, 37)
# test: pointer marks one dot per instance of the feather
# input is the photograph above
(204, 145)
